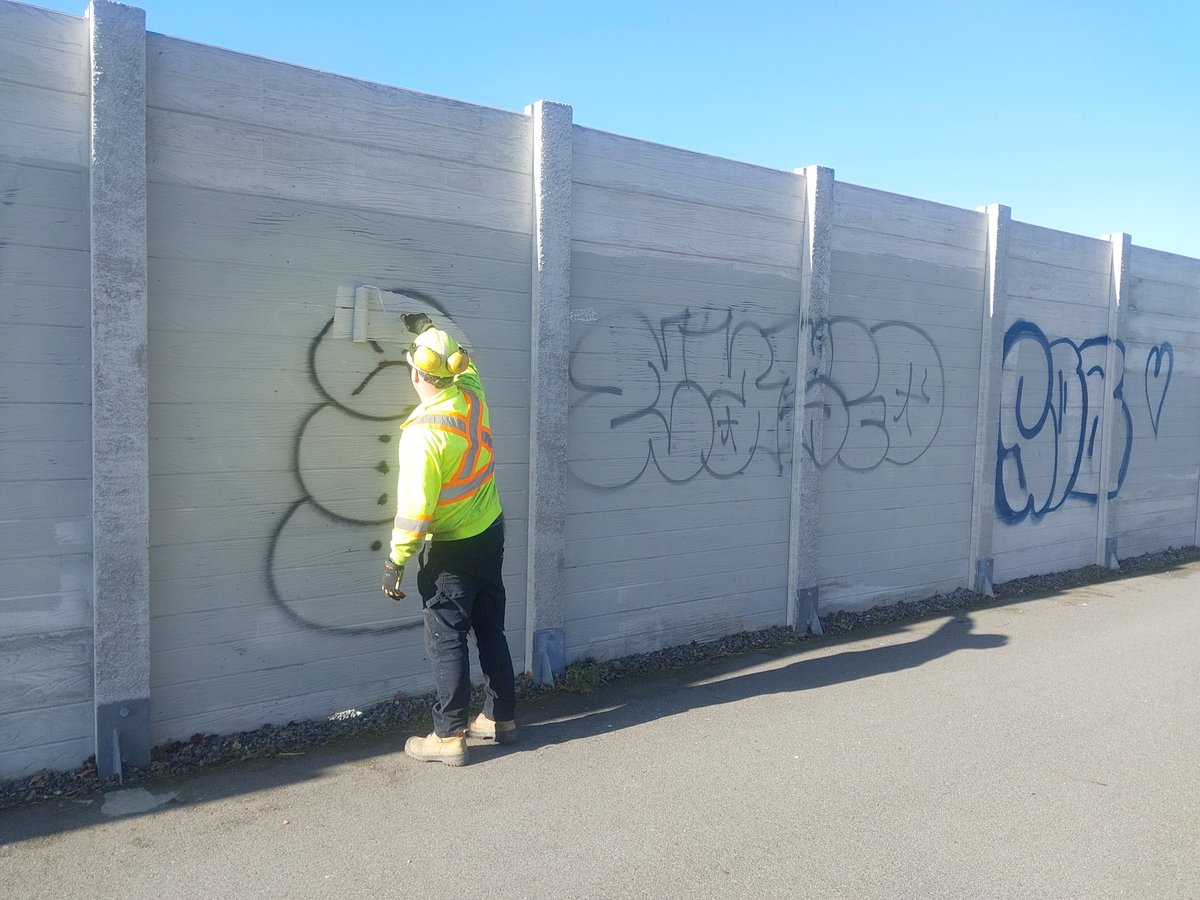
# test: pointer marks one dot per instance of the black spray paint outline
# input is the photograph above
(272, 587)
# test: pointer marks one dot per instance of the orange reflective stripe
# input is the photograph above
(474, 425)
(468, 489)
(450, 422)
(477, 466)
(454, 488)
(475, 441)
(454, 421)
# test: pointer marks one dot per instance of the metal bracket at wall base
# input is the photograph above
(1110, 554)
(983, 578)
(122, 736)
(806, 607)
(549, 655)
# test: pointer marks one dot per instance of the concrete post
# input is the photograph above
(809, 412)
(987, 422)
(120, 412)
(1106, 510)
(545, 650)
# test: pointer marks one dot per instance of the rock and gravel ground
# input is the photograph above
(293, 737)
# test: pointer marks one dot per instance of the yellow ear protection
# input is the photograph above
(430, 361)
(436, 353)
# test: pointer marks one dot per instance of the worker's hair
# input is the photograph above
(437, 381)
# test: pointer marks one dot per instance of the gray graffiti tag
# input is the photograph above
(699, 393)
(882, 390)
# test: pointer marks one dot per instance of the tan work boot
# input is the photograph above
(450, 750)
(484, 728)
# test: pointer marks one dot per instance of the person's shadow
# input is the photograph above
(558, 716)
(565, 717)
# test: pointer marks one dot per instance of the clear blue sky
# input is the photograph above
(1081, 116)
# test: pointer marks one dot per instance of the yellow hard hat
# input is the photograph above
(436, 353)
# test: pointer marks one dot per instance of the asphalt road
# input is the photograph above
(1045, 748)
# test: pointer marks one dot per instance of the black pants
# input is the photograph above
(462, 591)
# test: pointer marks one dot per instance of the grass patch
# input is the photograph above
(582, 677)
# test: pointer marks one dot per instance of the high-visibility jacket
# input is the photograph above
(447, 485)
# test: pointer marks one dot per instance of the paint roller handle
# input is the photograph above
(392, 576)
(416, 322)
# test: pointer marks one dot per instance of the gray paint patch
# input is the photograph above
(133, 802)
(549, 655)
(983, 577)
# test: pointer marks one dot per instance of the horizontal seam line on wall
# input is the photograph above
(259, 126)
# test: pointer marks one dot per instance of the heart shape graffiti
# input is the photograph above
(1161, 377)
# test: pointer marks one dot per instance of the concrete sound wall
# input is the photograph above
(1098, 427)
(272, 463)
(724, 397)
(685, 279)
(899, 391)
(45, 393)
(1160, 327)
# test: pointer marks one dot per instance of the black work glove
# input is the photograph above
(392, 576)
(416, 322)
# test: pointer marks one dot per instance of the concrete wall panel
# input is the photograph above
(684, 304)
(272, 438)
(1161, 331)
(45, 393)
(900, 395)
(1053, 414)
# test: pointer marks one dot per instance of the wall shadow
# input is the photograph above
(641, 699)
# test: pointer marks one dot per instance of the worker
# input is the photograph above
(448, 511)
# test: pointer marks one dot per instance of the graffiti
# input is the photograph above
(882, 394)
(343, 459)
(1158, 383)
(1051, 405)
(703, 392)
(707, 392)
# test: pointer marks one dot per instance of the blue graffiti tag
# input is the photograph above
(1047, 439)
